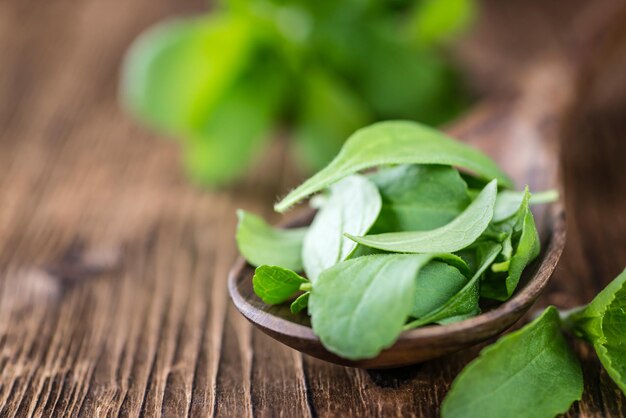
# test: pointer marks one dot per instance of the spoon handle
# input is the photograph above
(521, 129)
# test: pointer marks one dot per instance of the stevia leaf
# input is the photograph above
(419, 85)
(358, 307)
(260, 243)
(237, 129)
(300, 303)
(176, 72)
(598, 306)
(508, 202)
(531, 372)
(329, 112)
(464, 304)
(603, 324)
(454, 236)
(352, 207)
(437, 282)
(275, 284)
(419, 197)
(456, 262)
(435, 21)
(522, 242)
(395, 142)
(612, 350)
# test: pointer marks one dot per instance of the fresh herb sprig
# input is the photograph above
(533, 372)
(412, 244)
(404, 246)
(221, 83)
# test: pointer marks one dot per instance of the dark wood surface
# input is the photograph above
(113, 268)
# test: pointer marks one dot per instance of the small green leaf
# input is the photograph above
(395, 142)
(523, 243)
(329, 113)
(508, 202)
(275, 284)
(176, 72)
(237, 129)
(353, 206)
(456, 262)
(419, 85)
(435, 21)
(464, 304)
(358, 307)
(531, 372)
(603, 324)
(419, 197)
(437, 282)
(454, 236)
(300, 303)
(261, 244)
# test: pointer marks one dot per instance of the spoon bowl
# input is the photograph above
(520, 133)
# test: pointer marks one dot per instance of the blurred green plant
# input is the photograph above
(223, 81)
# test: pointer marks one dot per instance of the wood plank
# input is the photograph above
(113, 267)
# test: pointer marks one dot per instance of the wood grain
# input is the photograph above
(113, 268)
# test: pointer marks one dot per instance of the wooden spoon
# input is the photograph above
(520, 132)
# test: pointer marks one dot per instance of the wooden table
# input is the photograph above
(113, 268)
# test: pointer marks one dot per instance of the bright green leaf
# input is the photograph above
(260, 243)
(531, 372)
(352, 207)
(437, 282)
(395, 142)
(329, 112)
(358, 307)
(237, 129)
(508, 202)
(275, 284)
(454, 236)
(523, 243)
(420, 85)
(464, 304)
(603, 324)
(300, 303)
(435, 21)
(176, 72)
(455, 261)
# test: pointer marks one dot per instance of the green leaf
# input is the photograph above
(358, 307)
(523, 241)
(603, 324)
(464, 304)
(237, 128)
(454, 236)
(508, 202)
(395, 142)
(329, 112)
(531, 372)
(435, 21)
(419, 197)
(419, 85)
(437, 282)
(261, 244)
(176, 72)
(352, 207)
(300, 303)
(275, 284)
(456, 262)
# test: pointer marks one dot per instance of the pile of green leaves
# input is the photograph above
(222, 82)
(413, 243)
(533, 372)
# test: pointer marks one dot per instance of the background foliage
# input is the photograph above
(223, 82)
